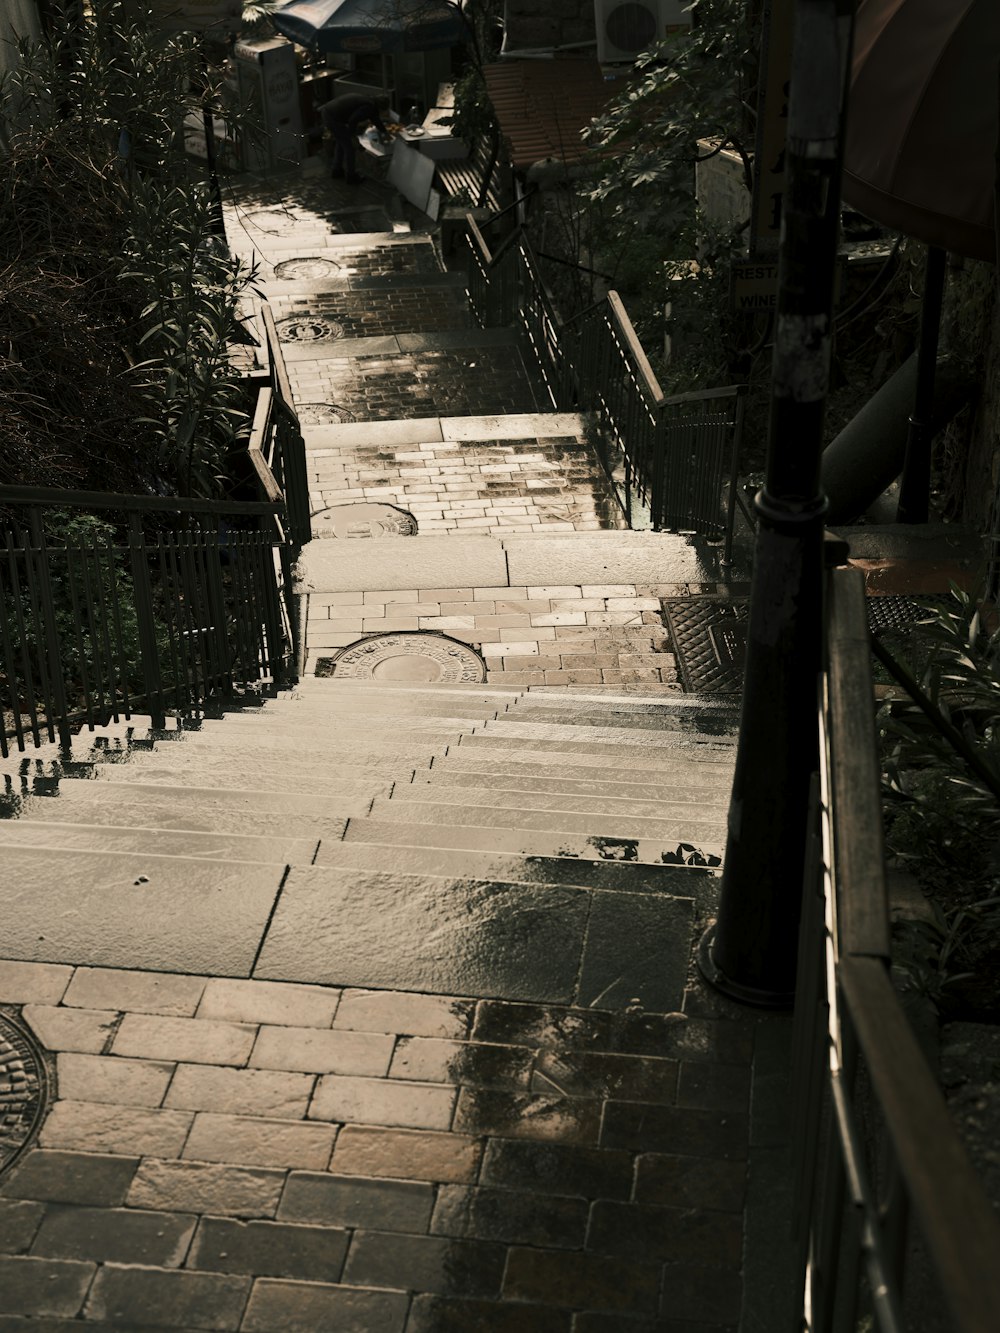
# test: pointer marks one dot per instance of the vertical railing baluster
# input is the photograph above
(81, 646)
(145, 621)
(170, 621)
(10, 670)
(22, 629)
(117, 663)
(43, 606)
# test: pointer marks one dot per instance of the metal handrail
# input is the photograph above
(856, 1188)
(668, 451)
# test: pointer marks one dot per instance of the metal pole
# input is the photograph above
(750, 953)
(915, 485)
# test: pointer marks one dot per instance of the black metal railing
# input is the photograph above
(893, 1230)
(673, 455)
(136, 618)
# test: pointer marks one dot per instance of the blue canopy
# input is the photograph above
(385, 26)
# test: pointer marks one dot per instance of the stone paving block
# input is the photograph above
(269, 1002)
(549, 1168)
(510, 1216)
(138, 992)
(590, 1322)
(128, 1130)
(374, 1101)
(260, 1092)
(683, 1130)
(425, 1263)
(247, 1141)
(637, 949)
(405, 1013)
(205, 1187)
(406, 1154)
(37, 1287)
(176, 1299)
(304, 1307)
(346, 1201)
(54, 1176)
(269, 1249)
(527, 1115)
(706, 1292)
(58, 1029)
(115, 1235)
(33, 983)
(431, 1059)
(690, 1182)
(588, 1280)
(19, 1221)
(440, 1314)
(714, 1087)
(195, 1040)
(599, 1074)
(312, 1050)
(680, 1235)
(109, 1078)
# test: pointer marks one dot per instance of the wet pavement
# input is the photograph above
(371, 1008)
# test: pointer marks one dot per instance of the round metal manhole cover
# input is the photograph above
(364, 520)
(323, 414)
(270, 219)
(307, 267)
(412, 656)
(308, 329)
(23, 1089)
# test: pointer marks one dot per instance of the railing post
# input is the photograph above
(146, 621)
(52, 649)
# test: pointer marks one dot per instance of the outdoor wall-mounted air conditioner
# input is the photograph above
(626, 27)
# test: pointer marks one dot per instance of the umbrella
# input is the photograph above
(386, 26)
(922, 125)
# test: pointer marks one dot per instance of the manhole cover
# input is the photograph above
(364, 520)
(270, 219)
(23, 1087)
(308, 329)
(410, 657)
(306, 267)
(710, 640)
(323, 414)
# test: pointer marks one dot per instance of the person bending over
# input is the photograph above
(346, 117)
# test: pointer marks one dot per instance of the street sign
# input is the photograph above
(753, 287)
(772, 121)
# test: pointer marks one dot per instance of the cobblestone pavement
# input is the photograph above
(248, 1155)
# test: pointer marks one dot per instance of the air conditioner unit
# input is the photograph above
(626, 27)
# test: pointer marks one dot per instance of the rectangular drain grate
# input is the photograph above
(710, 641)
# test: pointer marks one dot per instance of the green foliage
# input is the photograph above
(114, 312)
(942, 819)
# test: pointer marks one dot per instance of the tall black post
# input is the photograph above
(750, 953)
(915, 485)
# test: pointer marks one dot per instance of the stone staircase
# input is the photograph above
(385, 803)
(373, 995)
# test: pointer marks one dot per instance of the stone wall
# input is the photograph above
(545, 23)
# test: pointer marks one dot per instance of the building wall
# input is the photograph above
(530, 24)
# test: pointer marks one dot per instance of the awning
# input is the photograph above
(543, 105)
(922, 122)
(360, 26)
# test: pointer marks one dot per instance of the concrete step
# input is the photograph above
(199, 809)
(665, 767)
(620, 752)
(256, 766)
(647, 850)
(689, 826)
(675, 784)
(559, 559)
(611, 807)
(397, 706)
(349, 798)
(693, 724)
(545, 944)
(322, 722)
(465, 863)
(431, 430)
(270, 849)
(567, 699)
(322, 687)
(136, 910)
(482, 786)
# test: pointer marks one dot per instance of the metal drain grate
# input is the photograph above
(894, 613)
(23, 1089)
(710, 641)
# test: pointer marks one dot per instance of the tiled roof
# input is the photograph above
(542, 105)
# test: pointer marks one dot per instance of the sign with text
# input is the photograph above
(772, 123)
(754, 286)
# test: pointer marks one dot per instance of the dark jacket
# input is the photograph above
(351, 111)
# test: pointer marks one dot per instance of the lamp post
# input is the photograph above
(750, 952)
